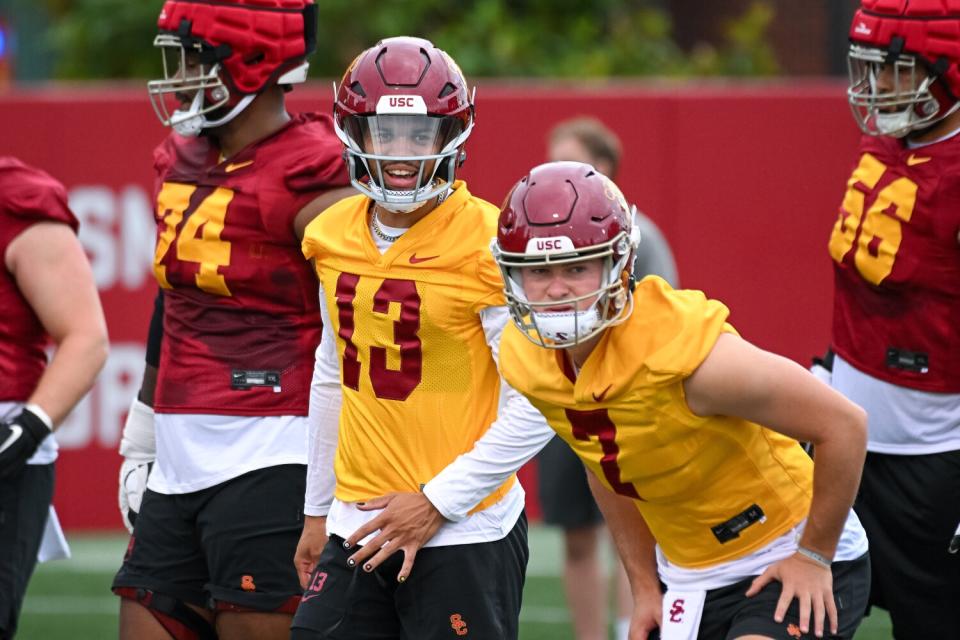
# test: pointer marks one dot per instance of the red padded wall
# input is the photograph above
(744, 180)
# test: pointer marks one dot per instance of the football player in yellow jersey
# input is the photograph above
(690, 431)
(406, 378)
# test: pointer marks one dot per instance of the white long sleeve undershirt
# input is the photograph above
(517, 434)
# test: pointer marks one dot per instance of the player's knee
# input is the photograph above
(254, 624)
(175, 616)
(580, 545)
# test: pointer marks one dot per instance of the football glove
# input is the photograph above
(19, 440)
(139, 449)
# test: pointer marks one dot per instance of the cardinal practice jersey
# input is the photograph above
(420, 385)
(241, 318)
(896, 313)
(695, 480)
(27, 196)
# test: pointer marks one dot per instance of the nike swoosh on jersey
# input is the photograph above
(15, 432)
(240, 165)
(603, 394)
(914, 160)
(415, 260)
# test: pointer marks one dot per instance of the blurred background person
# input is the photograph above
(565, 497)
(46, 291)
(586, 139)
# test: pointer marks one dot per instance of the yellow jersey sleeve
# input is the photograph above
(680, 330)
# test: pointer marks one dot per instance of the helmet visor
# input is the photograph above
(561, 323)
(409, 158)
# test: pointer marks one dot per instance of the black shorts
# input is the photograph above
(910, 507)
(729, 614)
(24, 507)
(227, 547)
(565, 496)
(471, 590)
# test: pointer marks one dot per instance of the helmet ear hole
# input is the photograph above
(254, 58)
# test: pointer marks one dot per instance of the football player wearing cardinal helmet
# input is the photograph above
(896, 258)
(406, 379)
(216, 61)
(565, 497)
(47, 291)
(213, 495)
(404, 135)
(904, 76)
(668, 408)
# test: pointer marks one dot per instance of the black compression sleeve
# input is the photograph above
(155, 334)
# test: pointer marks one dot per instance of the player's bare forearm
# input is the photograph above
(635, 542)
(53, 275)
(70, 374)
(312, 541)
(738, 379)
(836, 476)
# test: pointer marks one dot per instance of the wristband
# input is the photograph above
(38, 411)
(820, 559)
(138, 441)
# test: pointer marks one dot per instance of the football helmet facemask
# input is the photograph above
(564, 213)
(217, 56)
(903, 65)
(403, 113)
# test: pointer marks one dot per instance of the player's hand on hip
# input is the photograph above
(407, 522)
(19, 440)
(312, 541)
(810, 583)
(139, 449)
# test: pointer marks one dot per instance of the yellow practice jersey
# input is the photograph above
(627, 419)
(420, 385)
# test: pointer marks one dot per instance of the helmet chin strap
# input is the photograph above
(189, 123)
(403, 207)
(896, 125)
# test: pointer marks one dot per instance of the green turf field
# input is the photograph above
(70, 599)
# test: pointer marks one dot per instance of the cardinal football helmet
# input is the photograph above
(403, 113)
(219, 54)
(903, 64)
(562, 213)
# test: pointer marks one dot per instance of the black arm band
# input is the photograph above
(155, 334)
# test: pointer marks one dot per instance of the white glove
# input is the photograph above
(138, 447)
